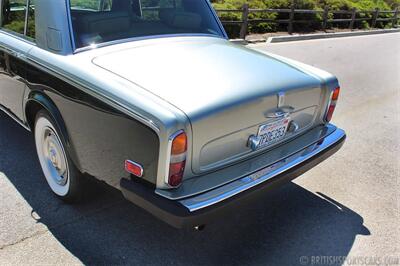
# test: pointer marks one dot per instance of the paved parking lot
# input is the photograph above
(347, 206)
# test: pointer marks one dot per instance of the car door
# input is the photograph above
(13, 49)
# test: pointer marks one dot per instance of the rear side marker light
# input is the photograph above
(133, 168)
(332, 104)
(177, 162)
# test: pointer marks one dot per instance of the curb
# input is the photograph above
(238, 41)
(293, 38)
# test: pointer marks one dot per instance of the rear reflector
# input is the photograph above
(134, 168)
(332, 104)
(177, 159)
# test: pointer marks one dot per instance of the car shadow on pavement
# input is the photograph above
(279, 229)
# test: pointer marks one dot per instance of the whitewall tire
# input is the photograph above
(60, 172)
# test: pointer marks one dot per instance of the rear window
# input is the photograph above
(99, 21)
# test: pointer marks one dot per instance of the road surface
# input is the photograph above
(347, 206)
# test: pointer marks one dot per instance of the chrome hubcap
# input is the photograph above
(55, 157)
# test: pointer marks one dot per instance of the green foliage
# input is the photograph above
(15, 20)
(16, 26)
(315, 19)
(308, 4)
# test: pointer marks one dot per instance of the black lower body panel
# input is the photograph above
(177, 215)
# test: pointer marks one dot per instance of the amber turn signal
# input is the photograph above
(178, 159)
(179, 144)
(335, 94)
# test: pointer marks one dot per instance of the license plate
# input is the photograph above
(272, 132)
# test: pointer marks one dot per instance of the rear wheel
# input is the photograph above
(61, 174)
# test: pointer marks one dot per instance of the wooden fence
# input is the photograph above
(246, 21)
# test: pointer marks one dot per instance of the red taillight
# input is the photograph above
(177, 160)
(134, 168)
(329, 114)
(332, 104)
(176, 173)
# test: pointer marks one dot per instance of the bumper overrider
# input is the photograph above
(200, 209)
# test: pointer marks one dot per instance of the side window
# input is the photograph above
(2, 62)
(13, 15)
(30, 31)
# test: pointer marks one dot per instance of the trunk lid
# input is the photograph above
(224, 89)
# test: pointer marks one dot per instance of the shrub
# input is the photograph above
(315, 19)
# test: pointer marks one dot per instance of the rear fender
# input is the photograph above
(38, 100)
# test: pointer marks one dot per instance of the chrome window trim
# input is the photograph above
(27, 3)
(141, 9)
(13, 33)
(141, 38)
(29, 38)
(217, 19)
(71, 29)
(1, 13)
(247, 182)
(16, 35)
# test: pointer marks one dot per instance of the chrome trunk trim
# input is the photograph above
(231, 189)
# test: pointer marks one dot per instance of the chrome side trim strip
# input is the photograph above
(74, 81)
(14, 118)
(89, 89)
(229, 190)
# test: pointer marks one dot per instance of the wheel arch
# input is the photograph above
(40, 101)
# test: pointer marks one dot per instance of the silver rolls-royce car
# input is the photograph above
(150, 97)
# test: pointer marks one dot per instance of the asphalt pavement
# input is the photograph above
(347, 207)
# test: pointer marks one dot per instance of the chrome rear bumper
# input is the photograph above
(201, 208)
(229, 190)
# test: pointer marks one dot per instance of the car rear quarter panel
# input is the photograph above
(100, 137)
